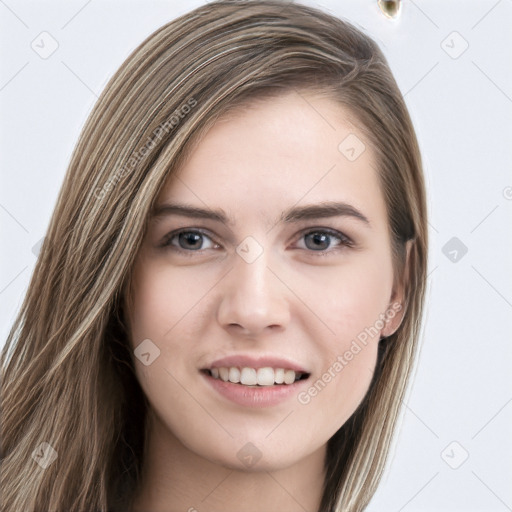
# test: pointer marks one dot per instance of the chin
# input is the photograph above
(257, 453)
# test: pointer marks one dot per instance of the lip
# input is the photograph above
(242, 361)
(257, 396)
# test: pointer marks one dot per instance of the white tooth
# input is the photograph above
(289, 377)
(224, 374)
(265, 376)
(215, 373)
(234, 375)
(248, 377)
(279, 375)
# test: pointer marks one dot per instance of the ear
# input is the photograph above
(396, 308)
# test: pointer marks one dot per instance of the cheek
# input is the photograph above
(163, 308)
(350, 301)
(348, 298)
(163, 297)
(162, 302)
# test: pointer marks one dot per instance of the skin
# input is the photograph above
(197, 307)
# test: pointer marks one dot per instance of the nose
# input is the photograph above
(254, 300)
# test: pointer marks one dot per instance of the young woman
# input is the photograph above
(226, 308)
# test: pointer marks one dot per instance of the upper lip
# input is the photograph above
(245, 361)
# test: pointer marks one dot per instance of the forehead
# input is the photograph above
(268, 155)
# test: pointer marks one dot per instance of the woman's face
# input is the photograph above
(270, 287)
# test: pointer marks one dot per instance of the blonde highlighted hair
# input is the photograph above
(68, 373)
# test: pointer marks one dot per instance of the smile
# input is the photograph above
(247, 376)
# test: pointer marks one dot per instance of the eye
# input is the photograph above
(319, 241)
(187, 241)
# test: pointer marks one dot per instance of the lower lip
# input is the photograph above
(260, 396)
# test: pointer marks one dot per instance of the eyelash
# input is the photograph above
(345, 241)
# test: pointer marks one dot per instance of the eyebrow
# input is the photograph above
(294, 214)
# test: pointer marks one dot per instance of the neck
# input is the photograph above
(175, 479)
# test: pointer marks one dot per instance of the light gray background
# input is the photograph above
(459, 402)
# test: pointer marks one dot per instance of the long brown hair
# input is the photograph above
(68, 373)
